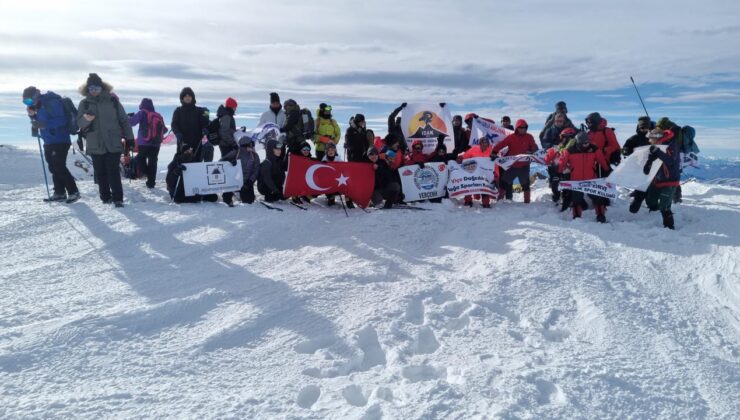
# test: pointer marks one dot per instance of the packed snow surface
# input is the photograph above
(200, 311)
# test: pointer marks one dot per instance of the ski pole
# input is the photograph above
(639, 96)
(35, 133)
(177, 185)
(341, 198)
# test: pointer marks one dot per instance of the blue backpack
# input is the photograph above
(70, 111)
(688, 145)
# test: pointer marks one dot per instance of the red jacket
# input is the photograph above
(475, 151)
(582, 162)
(605, 139)
(414, 157)
(519, 144)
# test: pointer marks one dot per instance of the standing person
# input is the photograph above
(469, 126)
(227, 143)
(644, 125)
(482, 149)
(48, 115)
(604, 138)
(520, 142)
(506, 123)
(560, 108)
(271, 175)
(582, 159)
(552, 134)
(275, 114)
(678, 137)
(293, 128)
(327, 130)
(461, 139)
(148, 139)
(356, 139)
(552, 159)
(659, 195)
(394, 127)
(190, 125)
(104, 122)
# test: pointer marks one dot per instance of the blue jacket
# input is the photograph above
(50, 115)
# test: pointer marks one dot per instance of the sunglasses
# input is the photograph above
(94, 89)
(306, 149)
(28, 101)
(327, 108)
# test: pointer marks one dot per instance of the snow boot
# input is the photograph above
(350, 204)
(331, 201)
(668, 219)
(601, 213)
(73, 197)
(486, 201)
(677, 195)
(577, 211)
(555, 196)
(55, 198)
(468, 201)
(119, 204)
(527, 196)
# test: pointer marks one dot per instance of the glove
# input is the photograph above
(130, 114)
(233, 162)
(130, 144)
(459, 159)
(494, 155)
(243, 129)
(183, 167)
(403, 105)
(37, 124)
(653, 149)
(648, 165)
(442, 104)
(493, 158)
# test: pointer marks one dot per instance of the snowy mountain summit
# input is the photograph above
(202, 311)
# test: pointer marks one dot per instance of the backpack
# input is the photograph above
(154, 127)
(688, 144)
(70, 113)
(213, 132)
(309, 127)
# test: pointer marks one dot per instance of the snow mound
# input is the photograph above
(182, 311)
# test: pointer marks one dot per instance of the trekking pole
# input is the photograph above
(341, 198)
(35, 133)
(177, 185)
(639, 96)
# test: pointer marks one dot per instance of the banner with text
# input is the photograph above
(599, 187)
(483, 127)
(426, 122)
(423, 183)
(505, 162)
(472, 176)
(212, 178)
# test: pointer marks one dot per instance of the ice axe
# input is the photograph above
(639, 96)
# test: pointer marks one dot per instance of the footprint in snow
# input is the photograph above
(308, 396)
(353, 395)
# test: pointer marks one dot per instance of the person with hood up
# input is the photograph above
(250, 168)
(275, 114)
(659, 195)
(604, 138)
(48, 115)
(148, 140)
(190, 125)
(482, 149)
(271, 175)
(293, 129)
(387, 180)
(227, 142)
(582, 159)
(416, 155)
(104, 122)
(518, 143)
(327, 130)
(639, 139)
(356, 139)
(560, 108)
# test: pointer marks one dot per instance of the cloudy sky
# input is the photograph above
(491, 57)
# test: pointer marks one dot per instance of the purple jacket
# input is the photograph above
(140, 119)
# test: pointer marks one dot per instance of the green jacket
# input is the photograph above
(110, 125)
(326, 130)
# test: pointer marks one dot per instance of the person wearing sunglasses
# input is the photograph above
(49, 117)
(327, 130)
(518, 143)
(104, 122)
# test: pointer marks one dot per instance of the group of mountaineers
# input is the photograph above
(587, 152)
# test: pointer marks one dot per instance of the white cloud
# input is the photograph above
(119, 34)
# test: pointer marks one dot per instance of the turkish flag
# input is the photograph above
(312, 177)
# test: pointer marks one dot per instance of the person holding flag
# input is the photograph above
(520, 142)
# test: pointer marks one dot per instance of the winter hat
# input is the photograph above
(231, 103)
(390, 154)
(521, 123)
(457, 118)
(30, 92)
(470, 116)
(304, 145)
(147, 104)
(291, 105)
(274, 97)
(246, 141)
(359, 118)
(372, 151)
(664, 123)
(582, 138)
(644, 122)
(94, 80)
(567, 133)
(187, 91)
(560, 106)
(330, 145)
(506, 118)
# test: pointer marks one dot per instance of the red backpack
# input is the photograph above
(155, 128)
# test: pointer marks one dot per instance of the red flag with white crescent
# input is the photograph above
(312, 177)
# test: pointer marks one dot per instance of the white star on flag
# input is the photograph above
(342, 180)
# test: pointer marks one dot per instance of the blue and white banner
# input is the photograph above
(424, 183)
(505, 162)
(260, 134)
(472, 176)
(483, 127)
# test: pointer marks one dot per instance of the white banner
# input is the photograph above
(600, 187)
(689, 159)
(423, 183)
(260, 134)
(473, 176)
(203, 178)
(483, 127)
(426, 122)
(505, 162)
(629, 173)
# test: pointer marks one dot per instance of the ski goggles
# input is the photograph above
(327, 108)
(28, 101)
(94, 89)
(306, 149)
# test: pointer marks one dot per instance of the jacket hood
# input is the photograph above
(521, 123)
(602, 124)
(146, 105)
(187, 91)
(223, 110)
(82, 90)
(415, 142)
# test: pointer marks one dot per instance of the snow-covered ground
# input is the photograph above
(199, 311)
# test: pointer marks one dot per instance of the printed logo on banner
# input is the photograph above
(470, 166)
(426, 124)
(216, 174)
(426, 179)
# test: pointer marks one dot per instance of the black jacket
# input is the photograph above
(189, 122)
(638, 140)
(357, 143)
(396, 129)
(385, 175)
(271, 176)
(461, 140)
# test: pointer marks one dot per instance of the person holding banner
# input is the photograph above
(271, 176)
(604, 138)
(416, 155)
(552, 159)
(581, 159)
(518, 143)
(482, 149)
(659, 195)
(644, 125)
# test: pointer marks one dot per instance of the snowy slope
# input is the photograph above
(193, 311)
